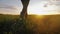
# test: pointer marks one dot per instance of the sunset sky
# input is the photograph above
(35, 7)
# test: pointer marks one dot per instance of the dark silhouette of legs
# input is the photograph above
(24, 10)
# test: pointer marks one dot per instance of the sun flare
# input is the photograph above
(42, 8)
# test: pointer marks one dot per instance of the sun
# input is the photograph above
(42, 8)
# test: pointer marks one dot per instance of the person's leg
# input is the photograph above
(24, 10)
(25, 2)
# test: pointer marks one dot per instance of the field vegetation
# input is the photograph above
(35, 24)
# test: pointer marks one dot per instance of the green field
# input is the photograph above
(46, 24)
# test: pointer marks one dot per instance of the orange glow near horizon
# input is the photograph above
(39, 16)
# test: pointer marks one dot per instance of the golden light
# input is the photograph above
(39, 16)
(40, 9)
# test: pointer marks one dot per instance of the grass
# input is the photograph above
(35, 24)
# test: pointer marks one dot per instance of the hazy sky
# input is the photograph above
(15, 6)
(10, 6)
